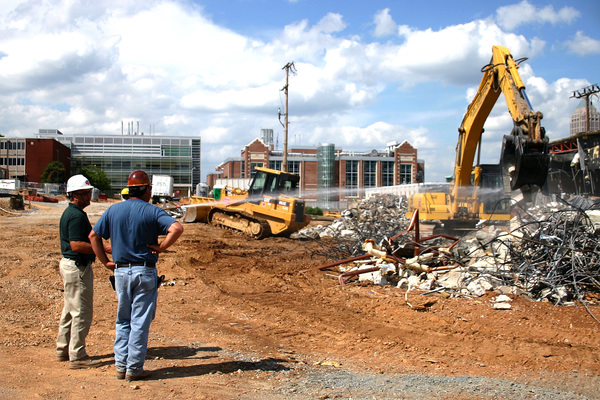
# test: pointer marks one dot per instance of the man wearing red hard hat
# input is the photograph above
(134, 227)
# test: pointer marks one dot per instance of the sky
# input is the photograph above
(367, 73)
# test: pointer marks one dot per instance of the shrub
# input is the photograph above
(313, 210)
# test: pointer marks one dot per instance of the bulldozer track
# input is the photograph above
(238, 221)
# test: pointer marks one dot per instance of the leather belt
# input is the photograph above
(80, 262)
(137, 264)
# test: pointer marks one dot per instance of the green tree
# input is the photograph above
(97, 177)
(55, 172)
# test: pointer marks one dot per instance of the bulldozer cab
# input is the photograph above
(272, 183)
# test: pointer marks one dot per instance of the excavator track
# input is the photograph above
(251, 226)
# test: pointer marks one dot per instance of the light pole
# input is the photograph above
(7, 163)
(192, 181)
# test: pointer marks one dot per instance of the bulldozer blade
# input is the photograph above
(195, 213)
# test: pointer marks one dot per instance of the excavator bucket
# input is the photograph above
(524, 161)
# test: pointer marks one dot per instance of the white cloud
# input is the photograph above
(583, 45)
(513, 16)
(384, 24)
(84, 69)
(452, 53)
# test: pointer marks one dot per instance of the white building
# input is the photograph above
(579, 117)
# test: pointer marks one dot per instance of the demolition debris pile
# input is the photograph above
(553, 252)
(375, 218)
(549, 252)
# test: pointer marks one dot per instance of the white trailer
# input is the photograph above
(162, 188)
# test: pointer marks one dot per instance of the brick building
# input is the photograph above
(26, 158)
(328, 174)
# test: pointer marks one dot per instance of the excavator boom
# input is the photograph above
(525, 150)
(524, 157)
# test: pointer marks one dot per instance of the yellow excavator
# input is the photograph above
(268, 208)
(524, 158)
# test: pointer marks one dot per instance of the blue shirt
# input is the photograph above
(131, 226)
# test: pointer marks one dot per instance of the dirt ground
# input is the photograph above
(237, 319)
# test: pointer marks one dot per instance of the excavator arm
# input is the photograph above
(524, 155)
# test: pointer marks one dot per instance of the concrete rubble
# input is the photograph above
(374, 218)
(549, 253)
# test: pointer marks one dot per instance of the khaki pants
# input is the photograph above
(77, 313)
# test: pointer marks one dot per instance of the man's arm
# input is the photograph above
(79, 246)
(175, 230)
(82, 247)
(98, 247)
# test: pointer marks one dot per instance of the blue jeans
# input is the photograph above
(137, 292)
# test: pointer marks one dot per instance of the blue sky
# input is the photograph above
(368, 72)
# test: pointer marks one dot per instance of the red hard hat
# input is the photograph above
(138, 178)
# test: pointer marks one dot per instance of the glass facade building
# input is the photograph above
(119, 155)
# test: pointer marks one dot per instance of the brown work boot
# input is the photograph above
(137, 377)
(62, 357)
(85, 362)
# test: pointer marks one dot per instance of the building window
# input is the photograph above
(405, 173)
(370, 173)
(252, 170)
(176, 151)
(243, 169)
(294, 167)
(275, 164)
(352, 178)
(387, 173)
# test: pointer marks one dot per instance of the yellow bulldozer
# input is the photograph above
(269, 207)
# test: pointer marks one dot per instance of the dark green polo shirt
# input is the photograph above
(74, 226)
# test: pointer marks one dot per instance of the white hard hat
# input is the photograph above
(78, 182)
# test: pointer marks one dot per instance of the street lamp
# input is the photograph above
(7, 163)
(192, 180)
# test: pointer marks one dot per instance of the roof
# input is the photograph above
(582, 105)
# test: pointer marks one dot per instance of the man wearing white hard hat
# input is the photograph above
(78, 277)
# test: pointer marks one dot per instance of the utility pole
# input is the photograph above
(288, 67)
(586, 92)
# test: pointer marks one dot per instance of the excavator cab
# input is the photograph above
(493, 203)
